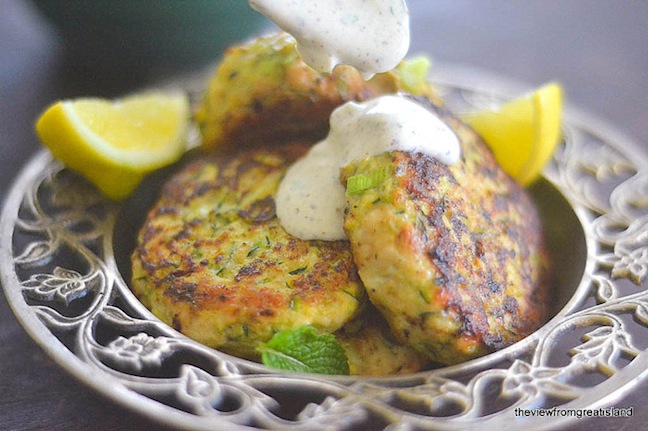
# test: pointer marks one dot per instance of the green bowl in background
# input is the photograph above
(148, 38)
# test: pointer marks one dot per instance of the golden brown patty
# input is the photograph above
(372, 350)
(213, 261)
(262, 93)
(451, 255)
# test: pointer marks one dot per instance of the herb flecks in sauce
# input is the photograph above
(311, 200)
(372, 36)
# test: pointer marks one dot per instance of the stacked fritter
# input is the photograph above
(452, 256)
(263, 94)
(442, 263)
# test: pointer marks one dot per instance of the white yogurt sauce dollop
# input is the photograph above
(310, 201)
(370, 35)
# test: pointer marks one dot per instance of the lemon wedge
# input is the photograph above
(115, 143)
(524, 132)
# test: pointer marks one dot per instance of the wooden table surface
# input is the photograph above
(598, 49)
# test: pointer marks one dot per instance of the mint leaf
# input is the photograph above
(303, 349)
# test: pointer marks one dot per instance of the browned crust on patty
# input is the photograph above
(452, 255)
(213, 261)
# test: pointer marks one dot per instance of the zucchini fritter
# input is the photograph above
(213, 261)
(452, 256)
(372, 350)
(263, 93)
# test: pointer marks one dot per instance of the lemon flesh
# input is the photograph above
(115, 144)
(524, 132)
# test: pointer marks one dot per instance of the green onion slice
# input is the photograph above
(361, 182)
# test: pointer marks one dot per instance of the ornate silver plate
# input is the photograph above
(64, 266)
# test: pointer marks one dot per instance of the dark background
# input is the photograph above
(598, 50)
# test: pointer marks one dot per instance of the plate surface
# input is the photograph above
(63, 262)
